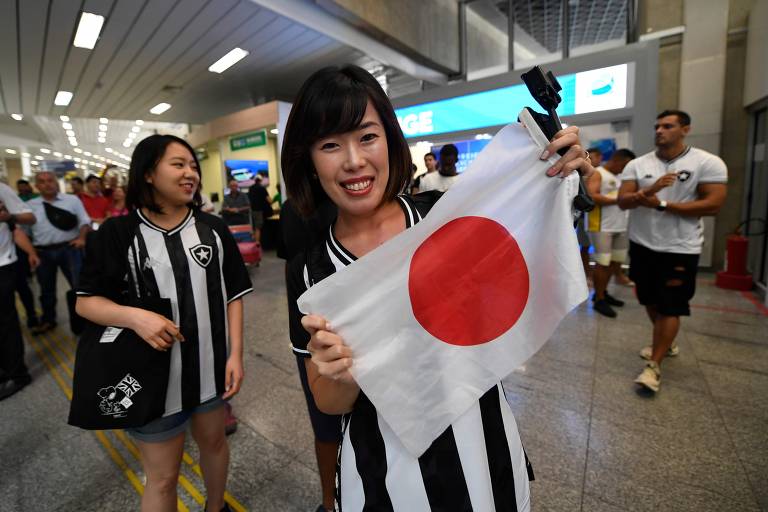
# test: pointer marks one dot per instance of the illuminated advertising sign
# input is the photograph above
(587, 91)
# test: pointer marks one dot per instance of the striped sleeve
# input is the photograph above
(296, 285)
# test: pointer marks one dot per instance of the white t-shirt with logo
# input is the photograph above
(15, 206)
(436, 181)
(665, 231)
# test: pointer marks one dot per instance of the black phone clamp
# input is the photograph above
(545, 90)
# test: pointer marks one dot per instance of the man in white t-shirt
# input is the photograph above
(607, 228)
(668, 191)
(446, 174)
(13, 372)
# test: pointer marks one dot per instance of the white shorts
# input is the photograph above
(609, 247)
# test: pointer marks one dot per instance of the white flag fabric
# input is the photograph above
(442, 312)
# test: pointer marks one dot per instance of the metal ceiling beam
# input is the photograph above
(320, 20)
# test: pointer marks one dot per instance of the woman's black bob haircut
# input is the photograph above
(333, 100)
(148, 152)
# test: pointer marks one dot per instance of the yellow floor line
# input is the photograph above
(64, 366)
(64, 347)
(53, 371)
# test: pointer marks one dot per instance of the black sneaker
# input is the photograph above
(605, 309)
(613, 301)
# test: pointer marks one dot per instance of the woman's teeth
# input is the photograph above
(358, 185)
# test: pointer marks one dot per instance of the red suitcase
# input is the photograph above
(251, 252)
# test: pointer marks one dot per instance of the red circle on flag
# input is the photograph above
(468, 282)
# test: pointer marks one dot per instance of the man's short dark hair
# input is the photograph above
(22, 181)
(76, 179)
(333, 100)
(595, 150)
(449, 149)
(92, 177)
(624, 153)
(683, 118)
(430, 154)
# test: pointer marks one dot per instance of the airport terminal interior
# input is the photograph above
(648, 392)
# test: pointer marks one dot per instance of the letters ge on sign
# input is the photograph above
(416, 124)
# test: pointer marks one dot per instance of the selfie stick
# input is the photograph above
(545, 89)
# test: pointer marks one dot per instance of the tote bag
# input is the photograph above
(120, 381)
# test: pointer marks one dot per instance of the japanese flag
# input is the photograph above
(439, 314)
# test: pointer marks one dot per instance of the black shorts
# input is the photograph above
(663, 279)
(327, 427)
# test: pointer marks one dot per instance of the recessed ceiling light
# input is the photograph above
(87, 153)
(108, 150)
(88, 30)
(64, 119)
(132, 135)
(70, 133)
(102, 134)
(102, 140)
(139, 122)
(274, 131)
(45, 150)
(127, 144)
(159, 108)
(68, 157)
(26, 155)
(228, 60)
(73, 141)
(62, 98)
(77, 159)
(34, 162)
(103, 120)
(77, 150)
(102, 127)
(17, 117)
(66, 125)
(135, 129)
(56, 153)
(10, 151)
(38, 157)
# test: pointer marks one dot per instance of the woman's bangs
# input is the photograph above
(340, 110)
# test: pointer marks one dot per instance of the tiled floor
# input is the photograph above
(597, 443)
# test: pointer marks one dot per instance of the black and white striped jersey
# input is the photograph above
(196, 265)
(477, 464)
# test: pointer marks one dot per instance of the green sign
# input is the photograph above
(249, 140)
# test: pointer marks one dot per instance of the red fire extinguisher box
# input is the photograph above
(735, 275)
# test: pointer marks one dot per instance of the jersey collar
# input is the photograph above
(168, 232)
(678, 157)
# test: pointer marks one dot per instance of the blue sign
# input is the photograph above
(588, 91)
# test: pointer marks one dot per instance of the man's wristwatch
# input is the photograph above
(662, 206)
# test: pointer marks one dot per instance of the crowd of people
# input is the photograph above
(346, 166)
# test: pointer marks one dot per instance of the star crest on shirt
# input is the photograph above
(683, 175)
(202, 254)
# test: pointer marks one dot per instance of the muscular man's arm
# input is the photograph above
(593, 187)
(710, 200)
(629, 197)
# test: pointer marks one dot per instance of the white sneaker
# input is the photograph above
(647, 352)
(650, 377)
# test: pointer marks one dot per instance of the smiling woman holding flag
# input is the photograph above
(343, 143)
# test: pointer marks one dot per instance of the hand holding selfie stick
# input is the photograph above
(545, 89)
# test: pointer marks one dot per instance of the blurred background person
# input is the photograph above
(235, 206)
(117, 207)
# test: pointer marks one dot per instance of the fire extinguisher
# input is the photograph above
(735, 275)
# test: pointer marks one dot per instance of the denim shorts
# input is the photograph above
(167, 427)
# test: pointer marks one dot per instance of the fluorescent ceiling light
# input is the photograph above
(135, 129)
(88, 30)
(10, 151)
(45, 150)
(56, 153)
(228, 60)
(26, 155)
(73, 141)
(38, 157)
(62, 98)
(102, 134)
(103, 120)
(77, 159)
(68, 157)
(108, 150)
(159, 108)
(102, 127)
(87, 153)
(70, 133)
(77, 150)
(274, 131)
(139, 122)
(17, 117)
(64, 119)
(102, 140)
(127, 144)
(132, 135)
(66, 125)
(34, 162)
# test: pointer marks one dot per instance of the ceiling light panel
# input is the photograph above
(159, 108)
(88, 30)
(229, 60)
(62, 98)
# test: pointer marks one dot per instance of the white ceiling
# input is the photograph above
(153, 51)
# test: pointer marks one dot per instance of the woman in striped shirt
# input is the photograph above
(343, 143)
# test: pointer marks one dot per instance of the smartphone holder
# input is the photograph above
(545, 90)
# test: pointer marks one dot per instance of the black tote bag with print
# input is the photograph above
(120, 381)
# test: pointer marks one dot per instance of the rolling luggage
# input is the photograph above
(251, 252)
